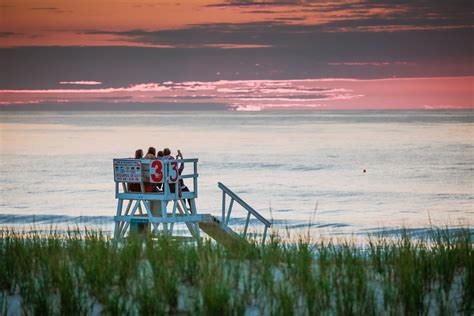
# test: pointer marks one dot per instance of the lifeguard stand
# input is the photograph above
(157, 200)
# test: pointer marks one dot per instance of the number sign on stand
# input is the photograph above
(157, 171)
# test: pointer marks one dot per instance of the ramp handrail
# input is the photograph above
(248, 208)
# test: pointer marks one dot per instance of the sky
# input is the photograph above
(233, 54)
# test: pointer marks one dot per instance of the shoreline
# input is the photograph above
(313, 232)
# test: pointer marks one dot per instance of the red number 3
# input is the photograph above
(158, 175)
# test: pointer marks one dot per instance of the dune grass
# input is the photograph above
(84, 272)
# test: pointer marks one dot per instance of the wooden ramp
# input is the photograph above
(219, 230)
(222, 234)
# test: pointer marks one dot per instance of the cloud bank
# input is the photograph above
(258, 95)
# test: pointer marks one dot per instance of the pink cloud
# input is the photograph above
(396, 28)
(86, 83)
(20, 102)
(374, 63)
(236, 46)
(280, 106)
(146, 87)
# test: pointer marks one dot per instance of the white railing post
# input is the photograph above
(223, 207)
(195, 182)
(264, 234)
(230, 210)
(247, 224)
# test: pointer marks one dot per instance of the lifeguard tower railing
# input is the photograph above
(150, 173)
(160, 193)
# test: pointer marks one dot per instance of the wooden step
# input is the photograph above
(223, 235)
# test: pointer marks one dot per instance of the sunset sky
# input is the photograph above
(242, 55)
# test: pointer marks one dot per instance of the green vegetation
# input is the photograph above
(86, 271)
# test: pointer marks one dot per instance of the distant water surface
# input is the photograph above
(302, 169)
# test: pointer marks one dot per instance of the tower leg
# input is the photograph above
(151, 213)
(123, 231)
(191, 226)
(117, 223)
(156, 209)
(164, 215)
(173, 215)
(196, 225)
(127, 211)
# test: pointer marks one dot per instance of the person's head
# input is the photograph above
(166, 152)
(152, 151)
(138, 154)
(160, 154)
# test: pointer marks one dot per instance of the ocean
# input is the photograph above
(304, 170)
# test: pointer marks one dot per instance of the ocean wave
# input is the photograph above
(283, 210)
(53, 219)
(417, 232)
(309, 167)
(319, 225)
(247, 165)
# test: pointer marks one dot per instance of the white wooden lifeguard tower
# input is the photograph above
(156, 200)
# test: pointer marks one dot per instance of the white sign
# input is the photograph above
(127, 170)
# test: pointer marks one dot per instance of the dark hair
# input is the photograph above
(166, 151)
(138, 154)
(160, 154)
(152, 150)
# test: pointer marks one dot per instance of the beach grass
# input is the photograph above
(85, 272)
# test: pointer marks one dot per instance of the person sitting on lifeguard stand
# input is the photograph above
(167, 155)
(151, 154)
